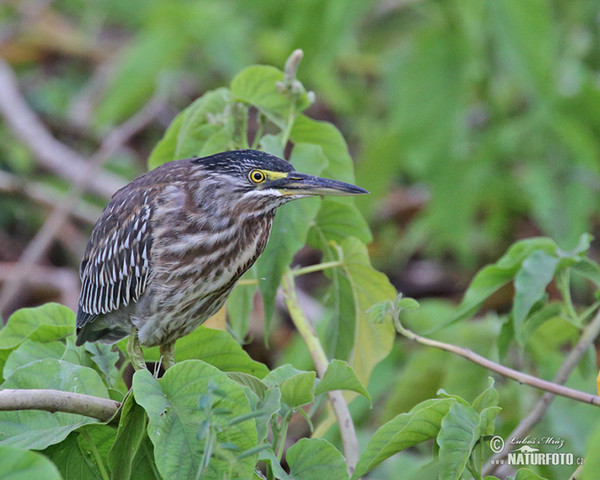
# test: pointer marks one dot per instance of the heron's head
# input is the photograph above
(265, 180)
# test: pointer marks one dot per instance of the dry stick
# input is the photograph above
(111, 143)
(502, 370)
(590, 332)
(58, 401)
(51, 153)
(338, 402)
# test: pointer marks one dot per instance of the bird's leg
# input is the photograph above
(136, 356)
(167, 353)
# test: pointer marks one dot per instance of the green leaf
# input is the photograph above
(328, 137)
(339, 218)
(536, 272)
(588, 269)
(256, 385)
(74, 457)
(215, 347)
(30, 351)
(290, 229)
(190, 131)
(456, 439)
(296, 385)
(591, 465)
(261, 398)
(131, 432)
(176, 421)
(240, 305)
(373, 340)
(256, 86)
(487, 398)
(269, 457)
(37, 429)
(41, 324)
(105, 358)
(268, 406)
(312, 458)
(298, 390)
(422, 423)
(526, 474)
(340, 376)
(20, 464)
(492, 277)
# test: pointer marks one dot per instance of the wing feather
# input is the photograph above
(116, 266)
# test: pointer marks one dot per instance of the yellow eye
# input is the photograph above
(257, 176)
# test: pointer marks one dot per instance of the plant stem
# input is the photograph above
(501, 369)
(316, 268)
(317, 353)
(297, 272)
(96, 455)
(282, 437)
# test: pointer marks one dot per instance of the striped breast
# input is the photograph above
(195, 267)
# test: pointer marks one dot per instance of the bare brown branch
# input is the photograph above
(58, 401)
(317, 353)
(520, 377)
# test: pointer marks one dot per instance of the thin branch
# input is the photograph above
(520, 377)
(58, 401)
(51, 153)
(46, 234)
(591, 331)
(338, 402)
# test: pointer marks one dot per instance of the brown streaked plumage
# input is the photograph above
(171, 245)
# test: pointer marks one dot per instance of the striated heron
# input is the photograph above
(171, 245)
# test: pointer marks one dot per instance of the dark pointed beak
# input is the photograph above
(300, 184)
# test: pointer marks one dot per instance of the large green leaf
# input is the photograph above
(215, 347)
(373, 341)
(591, 458)
(491, 278)
(77, 456)
(536, 272)
(312, 458)
(41, 324)
(127, 444)
(20, 464)
(422, 423)
(290, 228)
(239, 307)
(176, 421)
(457, 437)
(37, 429)
(340, 376)
(189, 132)
(257, 86)
(30, 351)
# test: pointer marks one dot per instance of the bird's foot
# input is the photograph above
(136, 356)
(167, 354)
